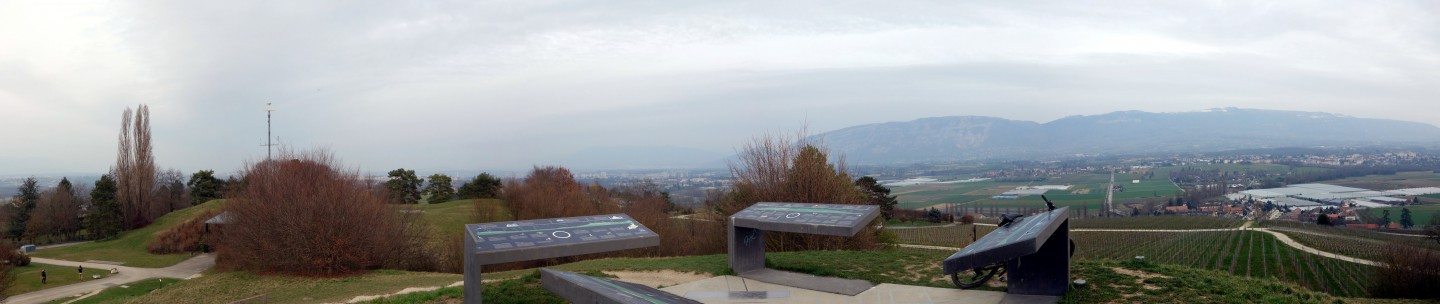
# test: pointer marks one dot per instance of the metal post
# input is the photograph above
(268, 145)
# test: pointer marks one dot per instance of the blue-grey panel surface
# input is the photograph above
(1012, 241)
(825, 219)
(538, 239)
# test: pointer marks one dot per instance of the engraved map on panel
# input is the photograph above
(814, 214)
(552, 232)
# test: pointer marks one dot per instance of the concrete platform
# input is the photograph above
(732, 289)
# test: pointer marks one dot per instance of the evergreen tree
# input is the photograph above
(1322, 220)
(204, 187)
(1405, 220)
(65, 186)
(404, 186)
(877, 194)
(482, 186)
(104, 218)
(440, 189)
(934, 215)
(1385, 219)
(27, 198)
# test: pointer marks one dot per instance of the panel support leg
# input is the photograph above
(747, 249)
(472, 273)
(1046, 272)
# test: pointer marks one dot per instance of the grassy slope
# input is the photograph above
(129, 247)
(28, 277)
(131, 291)
(232, 286)
(453, 215)
(1420, 214)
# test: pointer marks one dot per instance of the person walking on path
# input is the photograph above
(82, 272)
(42, 276)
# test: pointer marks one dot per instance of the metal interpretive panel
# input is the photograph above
(494, 243)
(579, 288)
(1036, 250)
(826, 219)
(747, 240)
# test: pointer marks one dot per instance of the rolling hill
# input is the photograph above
(976, 137)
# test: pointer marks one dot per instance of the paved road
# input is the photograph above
(1280, 236)
(187, 269)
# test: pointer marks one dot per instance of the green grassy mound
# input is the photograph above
(129, 246)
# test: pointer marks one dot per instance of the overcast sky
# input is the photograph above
(506, 85)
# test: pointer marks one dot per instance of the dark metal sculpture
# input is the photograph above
(1032, 254)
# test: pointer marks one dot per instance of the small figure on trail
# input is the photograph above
(42, 276)
(82, 271)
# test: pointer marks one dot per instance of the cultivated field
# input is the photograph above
(1400, 180)
(952, 236)
(1364, 244)
(1156, 222)
(1243, 253)
(1088, 190)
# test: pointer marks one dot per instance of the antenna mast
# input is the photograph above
(268, 144)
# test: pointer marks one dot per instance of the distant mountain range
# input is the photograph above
(643, 157)
(978, 137)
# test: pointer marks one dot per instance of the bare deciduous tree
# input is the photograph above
(780, 168)
(170, 193)
(135, 170)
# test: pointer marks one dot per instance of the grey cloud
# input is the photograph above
(508, 84)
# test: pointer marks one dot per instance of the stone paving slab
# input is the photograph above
(732, 289)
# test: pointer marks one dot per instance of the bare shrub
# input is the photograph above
(304, 215)
(780, 168)
(647, 204)
(10, 257)
(1411, 272)
(551, 192)
(185, 237)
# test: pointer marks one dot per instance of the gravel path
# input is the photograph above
(185, 270)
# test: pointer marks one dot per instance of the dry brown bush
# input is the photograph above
(552, 192)
(10, 257)
(185, 237)
(305, 215)
(1411, 273)
(780, 168)
(678, 237)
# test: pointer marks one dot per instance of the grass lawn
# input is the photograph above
(28, 277)
(129, 291)
(453, 215)
(231, 286)
(1420, 214)
(904, 223)
(129, 246)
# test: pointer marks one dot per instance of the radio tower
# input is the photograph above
(268, 109)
